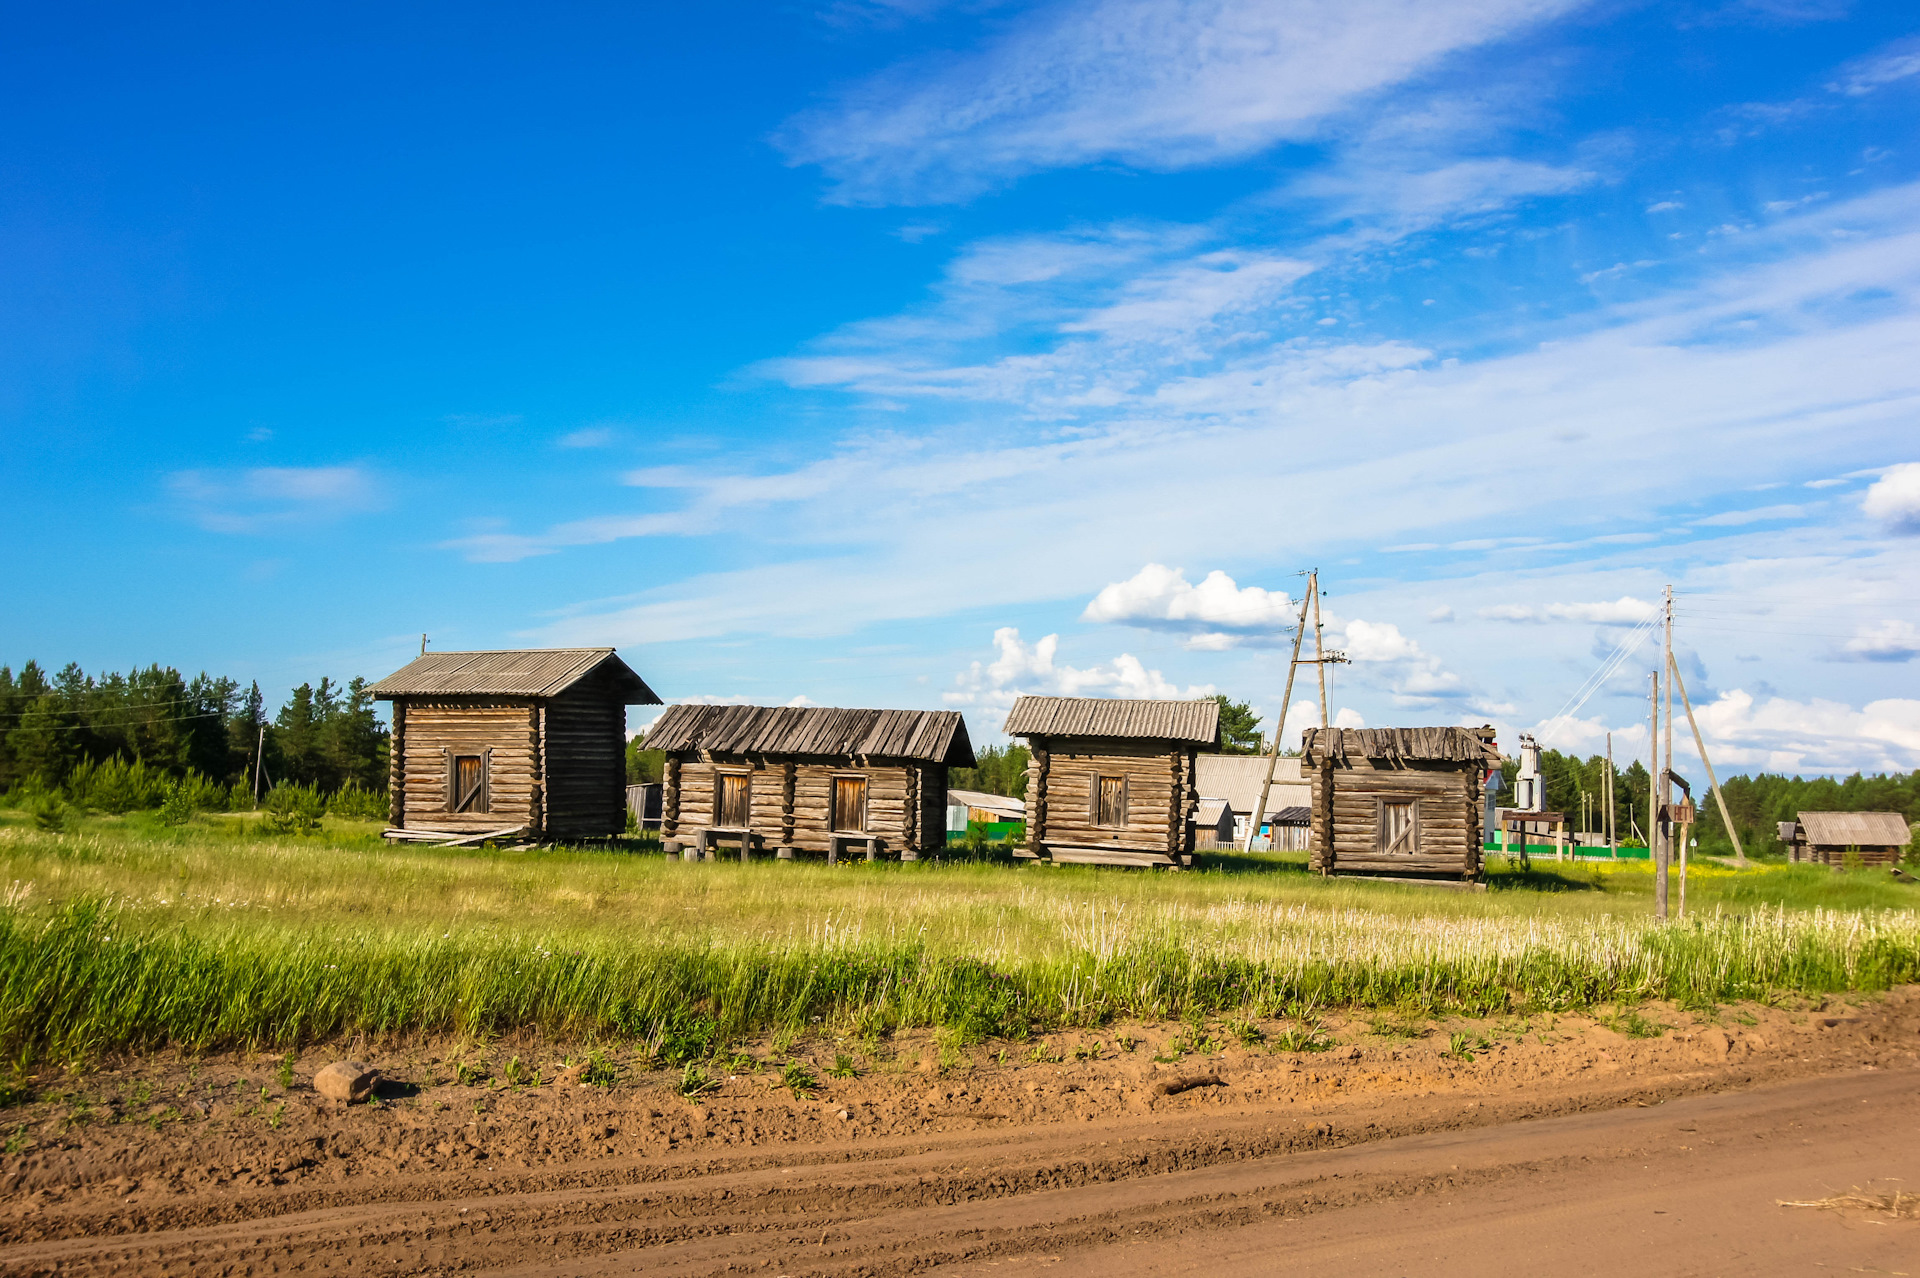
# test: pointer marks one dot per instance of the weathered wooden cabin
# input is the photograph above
(1398, 801)
(807, 779)
(524, 741)
(1827, 838)
(1112, 782)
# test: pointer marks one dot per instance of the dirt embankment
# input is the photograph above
(991, 1158)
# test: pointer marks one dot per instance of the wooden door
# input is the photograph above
(469, 783)
(1110, 807)
(1399, 826)
(732, 809)
(850, 803)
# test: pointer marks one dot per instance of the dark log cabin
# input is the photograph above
(1830, 838)
(529, 741)
(807, 779)
(1112, 782)
(1398, 801)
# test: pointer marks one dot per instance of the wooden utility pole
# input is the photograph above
(259, 761)
(1319, 655)
(1700, 743)
(1613, 841)
(1666, 766)
(1654, 848)
(1273, 752)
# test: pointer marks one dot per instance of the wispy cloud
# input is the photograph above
(1157, 83)
(1897, 61)
(1624, 611)
(589, 437)
(270, 498)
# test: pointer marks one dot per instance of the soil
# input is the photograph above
(1546, 1144)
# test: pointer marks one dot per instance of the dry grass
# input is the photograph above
(1899, 1205)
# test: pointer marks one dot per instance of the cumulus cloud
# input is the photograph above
(1895, 498)
(1782, 735)
(1019, 668)
(1214, 615)
(1624, 611)
(1886, 641)
(1158, 83)
(269, 498)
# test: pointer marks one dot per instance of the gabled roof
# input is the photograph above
(1419, 745)
(1014, 809)
(514, 672)
(931, 736)
(1846, 829)
(1193, 721)
(1237, 779)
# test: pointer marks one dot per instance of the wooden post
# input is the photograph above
(1700, 742)
(1686, 830)
(1560, 840)
(1613, 840)
(1319, 653)
(1666, 763)
(1654, 849)
(1286, 699)
(1037, 800)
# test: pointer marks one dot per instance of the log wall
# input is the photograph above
(791, 800)
(585, 734)
(1062, 786)
(1346, 799)
(504, 732)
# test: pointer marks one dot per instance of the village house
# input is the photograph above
(1828, 838)
(1398, 801)
(523, 741)
(807, 779)
(1113, 782)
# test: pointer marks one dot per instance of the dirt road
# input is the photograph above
(1670, 1162)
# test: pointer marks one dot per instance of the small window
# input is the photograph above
(850, 804)
(1399, 827)
(1110, 801)
(469, 784)
(733, 801)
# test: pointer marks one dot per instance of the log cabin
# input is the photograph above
(807, 779)
(1112, 782)
(526, 741)
(1398, 801)
(1829, 838)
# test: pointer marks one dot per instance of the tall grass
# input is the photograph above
(122, 938)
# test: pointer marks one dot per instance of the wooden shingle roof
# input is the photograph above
(1192, 721)
(1420, 745)
(1849, 829)
(931, 736)
(513, 672)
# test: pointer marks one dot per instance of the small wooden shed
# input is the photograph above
(524, 740)
(807, 779)
(1112, 782)
(1826, 838)
(1398, 801)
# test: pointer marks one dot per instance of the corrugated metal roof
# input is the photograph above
(1237, 779)
(933, 736)
(512, 672)
(1014, 809)
(1291, 816)
(1421, 745)
(1845, 829)
(1195, 721)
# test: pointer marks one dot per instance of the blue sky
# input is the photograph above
(922, 354)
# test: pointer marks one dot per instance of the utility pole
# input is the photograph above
(1613, 843)
(1654, 849)
(423, 644)
(259, 760)
(1666, 768)
(1273, 752)
(1700, 743)
(1319, 657)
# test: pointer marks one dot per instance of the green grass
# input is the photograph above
(126, 933)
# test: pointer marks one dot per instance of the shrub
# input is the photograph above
(293, 809)
(48, 810)
(116, 786)
(352, 803)
(190, 794)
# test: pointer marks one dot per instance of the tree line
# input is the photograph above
(325, 736)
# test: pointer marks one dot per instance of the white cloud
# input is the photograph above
(1022, 668)
(1782, 735)
(1623, 611)
(1895, 498)
(1898, 61)
(1889, 640)
(591, 437)
(1408, 198)
(267, 498)
(1214, 615)
(1157, 83)
(1665, 206)
(1441, 614)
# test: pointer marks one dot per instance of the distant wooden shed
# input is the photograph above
(1398, 801)
(1826, 838)
(529, 740)
(807, 779)
(1112, 782)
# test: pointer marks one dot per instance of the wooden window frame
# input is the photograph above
(719, 796)
(833, 801)
(1093, 801)
(483, 800)
(1380, 803)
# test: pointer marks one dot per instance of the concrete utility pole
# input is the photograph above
(1654, 849)
(1273, 751)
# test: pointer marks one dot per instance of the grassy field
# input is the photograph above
(125, 933)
